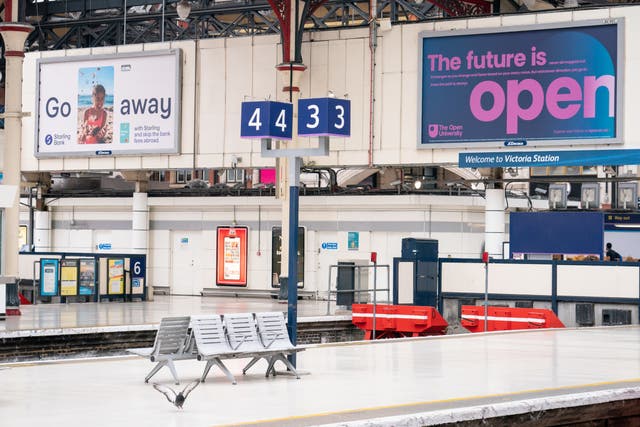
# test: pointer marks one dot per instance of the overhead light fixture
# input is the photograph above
(590, 196)
(417, 184)
(384, 24)
(396, 182)
(184, 9)
(627, 195)
(540, 191)
(558, 196)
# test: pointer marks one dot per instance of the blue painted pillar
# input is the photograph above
(292, 283)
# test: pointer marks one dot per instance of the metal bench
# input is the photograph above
(172, 343)
(263, 337)
(273, 333)
(211, 343)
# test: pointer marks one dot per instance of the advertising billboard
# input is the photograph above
(108, 104)
(539, 85)
(68, 277)
(231, 261)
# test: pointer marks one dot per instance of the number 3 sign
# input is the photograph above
(324, 117)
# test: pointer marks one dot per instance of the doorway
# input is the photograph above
(186, 263)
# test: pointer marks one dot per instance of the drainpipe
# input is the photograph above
(373, 44)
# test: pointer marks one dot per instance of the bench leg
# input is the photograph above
(155, 369)
(250, 364)
(284, 360)
(172, 368)
(206, 370)
(226, 371)
(271, 368)
(222, 367)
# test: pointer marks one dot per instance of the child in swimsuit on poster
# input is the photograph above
(94, 124)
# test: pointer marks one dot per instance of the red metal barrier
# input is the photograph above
(393, 321)
(507, 318)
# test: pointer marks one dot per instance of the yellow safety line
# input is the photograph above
(430, 402)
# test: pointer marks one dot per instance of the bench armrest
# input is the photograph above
(267, 345)
(244, 338)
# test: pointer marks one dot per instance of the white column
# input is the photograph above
(494, 222)
(42, 231)
(140, 223)
(14, 36)
(140, 231)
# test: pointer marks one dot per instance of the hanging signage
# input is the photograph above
(68, 277)
(469, 159)
(324, 117)
(49, 277)
(266, 119)
(538, 85)
(87, 279)
(108, 105)
(115, 276)
(231, 261)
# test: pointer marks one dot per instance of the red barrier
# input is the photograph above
(507, 318)
(394, 321)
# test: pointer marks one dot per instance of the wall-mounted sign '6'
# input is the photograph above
(266, 119)
(324, 117)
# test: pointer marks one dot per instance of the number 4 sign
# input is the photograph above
(324, 117)
(266, 119)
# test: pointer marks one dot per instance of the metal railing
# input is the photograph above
(358, 288)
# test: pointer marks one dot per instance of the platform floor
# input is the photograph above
(436, 379)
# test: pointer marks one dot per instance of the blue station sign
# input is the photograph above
(324, 117)
(548, 158)
(266, 119)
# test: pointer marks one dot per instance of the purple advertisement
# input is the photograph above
(522, 87)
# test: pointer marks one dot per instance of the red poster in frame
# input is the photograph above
(231, 256)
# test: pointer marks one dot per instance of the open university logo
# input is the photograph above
(433, 131)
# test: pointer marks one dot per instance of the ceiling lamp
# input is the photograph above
(184, 9)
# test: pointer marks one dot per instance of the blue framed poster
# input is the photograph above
(87, 277)
(49, 277)
(537, 85)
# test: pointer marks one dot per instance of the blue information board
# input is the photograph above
(324, 117)
(266, 119)
(49, 277)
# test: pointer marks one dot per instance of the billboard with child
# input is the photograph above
(108, 105)
(536, 85)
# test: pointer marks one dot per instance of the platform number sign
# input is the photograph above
(266, 119)
(324, 117)
(138, 266)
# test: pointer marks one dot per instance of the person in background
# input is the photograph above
(94, 125)
(612, 255)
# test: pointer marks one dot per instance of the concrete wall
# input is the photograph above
(80, 225)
